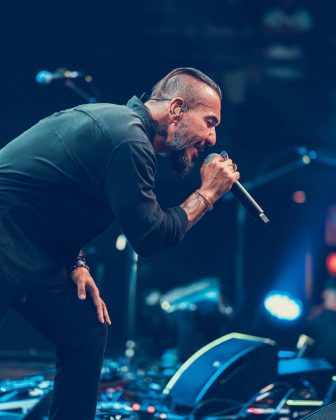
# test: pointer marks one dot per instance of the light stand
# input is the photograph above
(131, 301)
(306, 157)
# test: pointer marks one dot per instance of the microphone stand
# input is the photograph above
(45, 77)
(305, 159)
(131, 301)
(88, 98)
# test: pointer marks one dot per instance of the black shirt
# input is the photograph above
(66, 179)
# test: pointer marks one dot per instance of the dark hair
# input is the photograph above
(175, 84)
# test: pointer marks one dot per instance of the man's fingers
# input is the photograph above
(100, 311)
(81, 290)
(100, 305)
(97, 301)
(106, 314)
(94, 291)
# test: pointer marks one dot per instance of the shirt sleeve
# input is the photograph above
(128, 186)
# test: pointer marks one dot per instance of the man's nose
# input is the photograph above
(211, 140)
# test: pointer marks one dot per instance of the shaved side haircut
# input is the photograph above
(185, 82)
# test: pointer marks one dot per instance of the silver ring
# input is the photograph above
(224, 154)
(234, 167)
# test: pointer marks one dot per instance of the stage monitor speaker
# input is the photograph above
(327, 412)
(233, 367)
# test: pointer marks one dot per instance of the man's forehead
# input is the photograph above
(207, 93)
(211, 105)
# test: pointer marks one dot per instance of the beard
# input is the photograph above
(179, 157)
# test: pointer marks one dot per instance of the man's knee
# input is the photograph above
(94, 339)
(88, 342)
(97, 337)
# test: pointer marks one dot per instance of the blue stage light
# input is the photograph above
(44, 77)
(283, 305)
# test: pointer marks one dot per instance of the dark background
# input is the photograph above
(279, 91)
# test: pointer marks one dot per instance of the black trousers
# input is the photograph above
(53, 308)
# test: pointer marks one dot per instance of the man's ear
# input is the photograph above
(177, 106)
(177, 111)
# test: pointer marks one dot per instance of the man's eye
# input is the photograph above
(209, 123)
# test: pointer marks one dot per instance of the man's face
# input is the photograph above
(194, 132)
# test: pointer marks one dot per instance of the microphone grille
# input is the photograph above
(210, 157)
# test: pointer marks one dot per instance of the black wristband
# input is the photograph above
(206, 202)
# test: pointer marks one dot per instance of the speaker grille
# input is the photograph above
(235, 364)
(325, 413)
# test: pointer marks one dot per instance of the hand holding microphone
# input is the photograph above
(219, 174)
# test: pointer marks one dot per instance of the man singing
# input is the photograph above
(65, 180)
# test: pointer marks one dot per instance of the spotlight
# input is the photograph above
(121, 243)
(299, 197)
(331, 263)
(283, 305)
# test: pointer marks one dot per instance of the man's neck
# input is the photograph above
(160, 127)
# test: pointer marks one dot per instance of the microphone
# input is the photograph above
(44, 77)
(245, 198)
(248, 202)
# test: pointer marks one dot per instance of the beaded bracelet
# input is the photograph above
(206, 202)
(80, 263)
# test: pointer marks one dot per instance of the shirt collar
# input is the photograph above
(139, 108)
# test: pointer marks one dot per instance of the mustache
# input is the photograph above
(181, 142)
